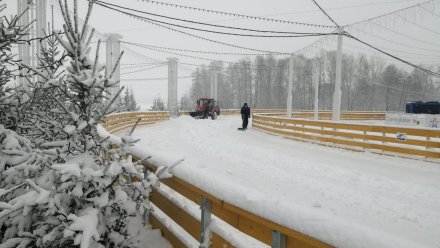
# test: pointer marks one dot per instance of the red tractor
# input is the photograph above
(205, 108)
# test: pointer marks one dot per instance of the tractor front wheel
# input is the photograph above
(214, 116)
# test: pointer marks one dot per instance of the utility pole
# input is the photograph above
(336, 115)
(214, 82)
(172, 86)
(290, 88)
(316, 104)
(113, 51)
(31, 11)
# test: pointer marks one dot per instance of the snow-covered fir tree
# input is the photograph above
(10, 33)
(66, 186)
(128, 102)
(158, 105)
(185, 103)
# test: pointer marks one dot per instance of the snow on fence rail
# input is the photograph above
(263, 230)
(402, 141)
(116, 122)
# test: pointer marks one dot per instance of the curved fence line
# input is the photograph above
(403, 141)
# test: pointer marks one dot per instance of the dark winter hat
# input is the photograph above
(245, 104)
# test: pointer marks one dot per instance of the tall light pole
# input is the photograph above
(34, 11)
(113, 51)
(172, 86)
(336, 116)
(290, 87)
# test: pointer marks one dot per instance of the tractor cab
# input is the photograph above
(206, 107)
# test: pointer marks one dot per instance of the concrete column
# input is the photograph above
(113, 51)
(23, 48)
(214, 84)
(172, 86)
(316, 104)
(336, 116)
(290, 87)
(27, 53)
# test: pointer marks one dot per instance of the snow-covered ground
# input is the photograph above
(345, 198)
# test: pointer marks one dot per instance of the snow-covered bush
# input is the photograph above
(65, 186)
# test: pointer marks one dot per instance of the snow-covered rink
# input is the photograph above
(345, 198)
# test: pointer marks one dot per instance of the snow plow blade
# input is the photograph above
(196, 114)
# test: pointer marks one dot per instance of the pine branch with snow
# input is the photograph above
(66, 186)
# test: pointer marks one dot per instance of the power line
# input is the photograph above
(398, 33)
(339, 8)
(237, 15)
(147, 69)
(196, 57)
(430, 11)
(151, 79)
(325, 13)
(203, 23)
(198, 51)
(392, 56)
(400, 51)
(203, 38)
(395, 42)
(390, 13)
(213, 31)
(418, 25)
(142, 63)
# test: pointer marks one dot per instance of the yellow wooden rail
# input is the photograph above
(418, 142)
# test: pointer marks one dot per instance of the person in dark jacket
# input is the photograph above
(245, 115)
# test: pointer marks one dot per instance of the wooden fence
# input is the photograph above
(414, 142)
(116, 122)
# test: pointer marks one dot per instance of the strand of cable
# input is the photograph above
(202, 52)
(377, 54)
(138, 66)
(429, 11)
(147, 69)
(390, 13)
(213, 31)
(395, 42)
(392, 56)
(194, 57)
(300, 12)
(426, 56)
(203, 23)
(416, 24)
(142, 63)
(398, 33)
(151, 79)
(237, 65)
(203, 38)
(325, 13)
(237, 15)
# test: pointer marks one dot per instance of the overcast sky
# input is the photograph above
(413, 35)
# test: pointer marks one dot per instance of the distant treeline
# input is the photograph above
(368, 83)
